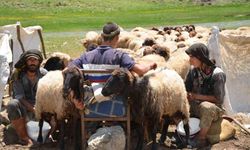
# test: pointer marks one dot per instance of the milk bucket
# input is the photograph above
(33, 130)
(193, 127)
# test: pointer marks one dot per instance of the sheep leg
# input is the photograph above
(77, 134)
(62, 133)
(186, 128)
(140, 132)
(40, 137)
(154, 145)
(164, 129)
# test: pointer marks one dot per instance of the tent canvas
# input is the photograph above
(24, 39)
(231, 50)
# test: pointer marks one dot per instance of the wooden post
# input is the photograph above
(83, 130)
(42, 42)
(128, 125)
(19, 37)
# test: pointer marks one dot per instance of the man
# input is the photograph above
(205, 84)
(107, 54)
(19, 108)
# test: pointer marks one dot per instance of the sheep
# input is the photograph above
(178, 61)
(124, 39)
(157, 94)
(148, 42)
(56, 61)
(162, 51)
(135, 44)
(55, 92)
(152, 58)
(90, 38)
(131, 53)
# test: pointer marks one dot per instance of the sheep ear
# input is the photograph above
(64, 72)
(130, 75)
(65, 86)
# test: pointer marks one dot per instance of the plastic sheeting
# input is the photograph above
(215, 53)
(5, 58)
(231, 50)
(4, 75)
(29, 37)
(5, 49)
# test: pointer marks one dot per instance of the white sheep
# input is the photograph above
(124, 39)
(178, 61)
(157, 94)
(55, 92)
(50, 87)
(91, 37)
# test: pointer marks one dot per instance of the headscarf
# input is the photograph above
(201, 52)
(27, 54)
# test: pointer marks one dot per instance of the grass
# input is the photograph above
(68, 44)
(85, 15)
(76, 15)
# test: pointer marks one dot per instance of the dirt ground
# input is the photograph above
(8, 138)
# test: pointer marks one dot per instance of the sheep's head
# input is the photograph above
(162, 51)
(54, 63)
(118, 83)
(73, 84)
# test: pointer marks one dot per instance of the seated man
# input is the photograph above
(107, 54)
(24, 92)
(205, 84)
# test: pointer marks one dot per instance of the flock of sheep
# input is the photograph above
(164, 46)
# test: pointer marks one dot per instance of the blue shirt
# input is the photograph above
(105, 55)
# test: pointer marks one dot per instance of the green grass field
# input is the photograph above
(85, 15)
(77, 15)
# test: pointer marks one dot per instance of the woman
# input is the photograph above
(205, 86)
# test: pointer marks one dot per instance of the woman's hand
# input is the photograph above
(191, 96)
(78, 104)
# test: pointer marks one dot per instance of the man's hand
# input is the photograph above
(191, 96)
(28, 106)
(31, 109)
(153, 65)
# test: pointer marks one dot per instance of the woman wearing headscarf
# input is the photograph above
(205, 84)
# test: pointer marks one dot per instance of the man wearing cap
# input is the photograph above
(205, 84)
(107, 54)
(21, 107)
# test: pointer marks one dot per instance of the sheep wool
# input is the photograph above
(49, 88)
(168, 93)
(179, 61)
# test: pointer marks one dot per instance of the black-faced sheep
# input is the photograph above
(55, 93)
(56, 61)
(155, 95)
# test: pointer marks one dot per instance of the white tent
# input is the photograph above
(24, 39)
(231, 50)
